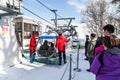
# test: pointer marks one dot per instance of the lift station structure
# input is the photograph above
(9, 47)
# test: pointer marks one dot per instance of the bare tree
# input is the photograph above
(116, 14)
(114, 1)
(97, 15)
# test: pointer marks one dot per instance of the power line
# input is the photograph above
(37, 15)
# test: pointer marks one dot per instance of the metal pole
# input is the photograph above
(78, 59)
(19, 6)
(22, 32)
(77, 69)
(13, 5)
(70, 72)
(56, 18)
(54, 11)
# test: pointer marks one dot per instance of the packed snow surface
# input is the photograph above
(41, 71)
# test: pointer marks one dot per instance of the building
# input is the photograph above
(24, 26)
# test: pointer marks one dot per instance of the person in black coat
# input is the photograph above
(86, 45)
(44, 46)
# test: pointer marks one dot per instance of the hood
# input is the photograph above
(113, 50)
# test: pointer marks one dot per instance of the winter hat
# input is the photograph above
(60, 32)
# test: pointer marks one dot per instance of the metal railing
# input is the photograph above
(69, 65)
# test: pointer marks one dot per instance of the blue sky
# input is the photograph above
(66, 9)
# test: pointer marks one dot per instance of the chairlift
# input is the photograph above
(45, 53)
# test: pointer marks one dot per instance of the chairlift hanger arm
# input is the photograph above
(69, 22)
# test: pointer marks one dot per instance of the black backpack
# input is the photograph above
(101, 57)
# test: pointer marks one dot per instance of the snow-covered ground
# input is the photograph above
(28, 71)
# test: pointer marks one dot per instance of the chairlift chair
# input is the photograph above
(44, 53)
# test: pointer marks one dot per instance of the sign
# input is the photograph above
(4, 31)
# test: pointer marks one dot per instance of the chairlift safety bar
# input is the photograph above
(47, 37)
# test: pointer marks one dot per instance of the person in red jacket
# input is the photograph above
(60, 45)
(32, 46)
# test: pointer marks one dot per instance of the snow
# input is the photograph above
(29, 71)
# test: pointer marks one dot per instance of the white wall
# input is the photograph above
(8, 44)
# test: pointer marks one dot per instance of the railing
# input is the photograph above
(69, 65)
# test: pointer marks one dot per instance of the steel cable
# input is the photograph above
(37, 15)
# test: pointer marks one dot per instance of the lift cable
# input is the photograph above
(43, 4)
(37, 15)
(47, 7)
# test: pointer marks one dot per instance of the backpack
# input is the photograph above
(101, 57)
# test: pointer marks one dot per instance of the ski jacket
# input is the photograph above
(110, 70)
(32, 45)
(60, 43)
